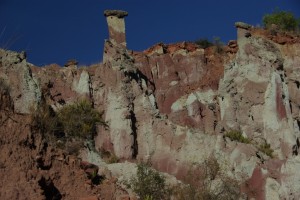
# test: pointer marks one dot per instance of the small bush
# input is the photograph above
(148, 183)
(44, 120)
(108, 156)
(286, 21)
(237, 136)
(266, 149)
(113, 159)
(69, 127)
(218, 44)
(206, 181)
(212, 168)
(203, 43)
(79, 120)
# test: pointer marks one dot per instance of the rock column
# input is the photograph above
(116, 26)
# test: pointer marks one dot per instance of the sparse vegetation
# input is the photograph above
(95, 178)
(44, 120)
(108, 156)
(79, 120)
(284, 20)
(113, 159)
(206, 181)
(218, 44)
(203, 182)
(266, 149)
(204, 43)
(68, 128)
(148, 183)
(237, 136)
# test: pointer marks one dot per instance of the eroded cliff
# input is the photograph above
(172, 105)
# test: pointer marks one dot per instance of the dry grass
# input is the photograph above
(68, 128)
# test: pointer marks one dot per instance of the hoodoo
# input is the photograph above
(116, 26)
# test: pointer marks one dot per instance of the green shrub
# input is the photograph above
(203, 43)
(286, 21)
(266, 149)
(69, 128)
(237, 136)
(148, 197)
(108, 156)
(44, 119)
(113, 159)
(148, 183)
(218, 44)
(200, 185)
(79, 119)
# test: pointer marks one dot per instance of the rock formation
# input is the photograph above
(116, 26)
(173, 104)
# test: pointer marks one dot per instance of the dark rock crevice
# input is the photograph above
(138, 76)
(298, 84)
(291, 107)
(295, 149)
(49, 190)
(91, 91)
(134, 134)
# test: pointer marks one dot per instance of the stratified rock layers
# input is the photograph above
(172, 104)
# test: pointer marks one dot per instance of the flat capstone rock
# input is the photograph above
(117, 13)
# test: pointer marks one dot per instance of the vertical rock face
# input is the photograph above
(186, 80)
(116, 26)
(173, 103)
(254, 94)
(16, 73)
(257, 97)
(122, 86)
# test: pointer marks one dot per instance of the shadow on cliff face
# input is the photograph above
(50, 191)
(5, 98)
(32, 168)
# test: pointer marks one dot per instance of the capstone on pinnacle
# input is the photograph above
(117, 13)
(116, 26)
(242, 25)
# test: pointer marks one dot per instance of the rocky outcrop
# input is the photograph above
(255, 98)
(116, 26)
(32, 169)
(173, 104)
(254, 95)
(185, 98)
(17, 74)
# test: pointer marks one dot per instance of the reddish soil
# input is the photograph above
(31, 169)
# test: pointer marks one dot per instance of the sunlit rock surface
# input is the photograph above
(172, 104)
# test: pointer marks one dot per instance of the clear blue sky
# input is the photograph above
(53, 31)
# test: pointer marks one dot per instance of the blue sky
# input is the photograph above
(53, 31)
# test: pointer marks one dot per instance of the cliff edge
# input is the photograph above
(174, 105)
